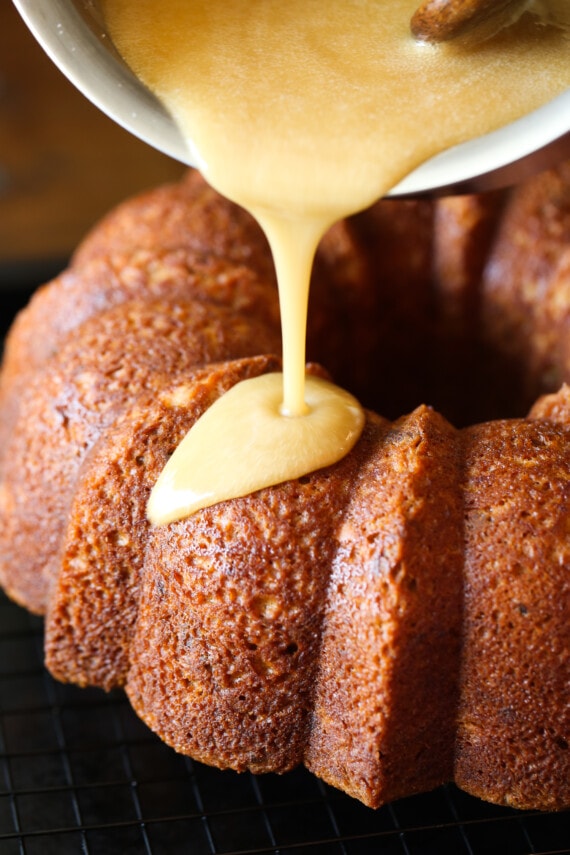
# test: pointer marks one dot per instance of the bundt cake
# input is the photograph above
(394, 621)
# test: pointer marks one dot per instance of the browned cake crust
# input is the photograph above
(137, 346)
(183, 241)
(228, 636)
(514, 713)
(555, 407)
(93, 605)
(383, 720)
(525, 301)
(393, 621)
(187, 214)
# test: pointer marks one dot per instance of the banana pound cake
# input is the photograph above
(394, 621)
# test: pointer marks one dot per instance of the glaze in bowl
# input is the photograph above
(72, 32)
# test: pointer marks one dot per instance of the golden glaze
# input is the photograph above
(304, 113)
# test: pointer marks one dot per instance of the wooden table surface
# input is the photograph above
(63, 163)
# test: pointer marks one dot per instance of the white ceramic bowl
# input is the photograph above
(73, 34)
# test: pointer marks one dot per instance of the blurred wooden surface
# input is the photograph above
(63, 163)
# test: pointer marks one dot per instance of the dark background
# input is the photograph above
(63, 163)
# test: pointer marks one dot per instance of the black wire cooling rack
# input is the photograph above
(81, 775)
